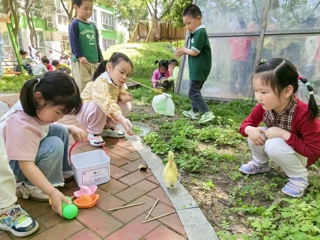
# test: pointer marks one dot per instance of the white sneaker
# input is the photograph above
(191, 114)
(67, 175)
(33, 193)
(95, 140)
(17, 221)
(113, 133)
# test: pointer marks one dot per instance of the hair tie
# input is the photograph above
(311, 92)
(307, 84)
(38, 79)
(263, 60)
(299, 77)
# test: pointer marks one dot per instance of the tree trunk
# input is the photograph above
(33, 34)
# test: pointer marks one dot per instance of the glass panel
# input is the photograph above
(230, 76)
(303, 51)
(294, 15)
(230, 15)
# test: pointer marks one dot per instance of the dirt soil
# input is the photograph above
(217, 203)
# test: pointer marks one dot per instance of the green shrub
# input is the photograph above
(143, 56)
(12, 83)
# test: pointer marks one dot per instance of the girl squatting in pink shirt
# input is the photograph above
(36, 145)
(291, 137)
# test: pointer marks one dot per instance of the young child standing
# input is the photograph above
(105, 100)
(291, 137)
(199, 60)
(36, 145)
(161, 73)
(84, 42)
(13, 218)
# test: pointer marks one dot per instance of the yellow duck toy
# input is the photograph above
(170, 172)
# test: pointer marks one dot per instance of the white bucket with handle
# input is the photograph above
(90, 168)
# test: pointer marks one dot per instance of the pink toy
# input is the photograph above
(85, 190)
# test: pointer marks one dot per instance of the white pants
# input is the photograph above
(277, 150)
(94, 119)
(7, 180)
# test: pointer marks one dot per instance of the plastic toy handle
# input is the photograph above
(73, 145)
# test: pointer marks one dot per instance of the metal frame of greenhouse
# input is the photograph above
(293, 28)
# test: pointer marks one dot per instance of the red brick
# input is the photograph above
(127, 214)
(117, 172)
(135, 177)
(153, 179)
(136, 190)
(133, 166)
(117, 160)
(134, 230)
(132, 156)
(163, 233)
(121, 142)
(172, 221)
(131, 148)
(119, 150)
(35, 209)
(99, 221)
(107, 201)
(50, 219)
(61, 231)
(113, 186)
(158, 193)
(85, 234)
(5, 235)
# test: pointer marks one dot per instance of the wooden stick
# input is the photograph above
(158, 217)
(154, 89)
(132, 205)
(152, 209)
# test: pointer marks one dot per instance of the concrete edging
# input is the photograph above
(194, 222)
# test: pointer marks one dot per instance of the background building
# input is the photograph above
(52, 31)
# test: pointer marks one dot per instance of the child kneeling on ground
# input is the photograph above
(37, 146)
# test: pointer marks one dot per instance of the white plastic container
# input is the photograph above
(91, 168)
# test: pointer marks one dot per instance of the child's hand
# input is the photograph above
(56, 201)
(179, 52)
(125, 97)
(78, 134)
(83, 60)
(256, 135)
(127, 126)
(275, 132)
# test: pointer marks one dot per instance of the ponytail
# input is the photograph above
(313, 107)
(100, 69)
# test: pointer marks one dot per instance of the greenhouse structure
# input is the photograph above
(242, 32)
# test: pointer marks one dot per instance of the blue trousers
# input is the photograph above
(198, 103)
(52, 157)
